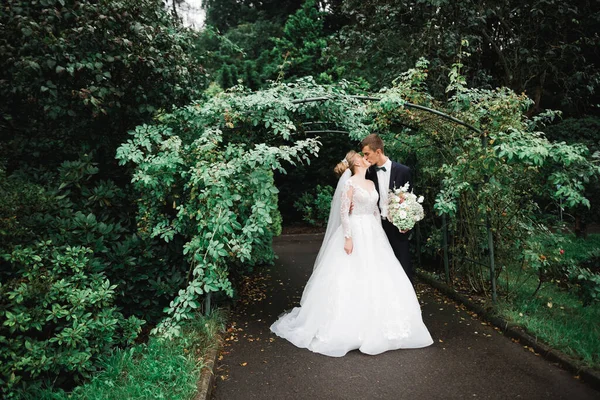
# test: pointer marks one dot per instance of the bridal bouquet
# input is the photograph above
(404, 208)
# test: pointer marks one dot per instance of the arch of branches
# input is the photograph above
(204, 173)
(445, 249)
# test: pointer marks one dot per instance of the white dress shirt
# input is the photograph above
(383, 179)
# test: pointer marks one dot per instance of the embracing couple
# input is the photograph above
(360, 294)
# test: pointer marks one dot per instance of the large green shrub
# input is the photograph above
(21, 200)
(79, 74)
(586, 277)
(58, 317)
(205, 173)
(585, 131)
(496, 176)
(315, 205)
(74, 207)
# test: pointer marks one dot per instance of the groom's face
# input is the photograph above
(373, 157)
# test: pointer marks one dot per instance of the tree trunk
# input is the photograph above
(539, 91)
(500, 54)
(175, 9)
(580, 227)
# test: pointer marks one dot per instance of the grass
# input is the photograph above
(158, 369)
(556, 315)
(578, 248)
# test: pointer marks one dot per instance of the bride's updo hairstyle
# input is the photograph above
(347, 162)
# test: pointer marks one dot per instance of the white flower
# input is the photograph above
(420, 199)
(402, 214)
(403, 205)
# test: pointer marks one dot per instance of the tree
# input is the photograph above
(546, 49)
(302, 49)
(227, 14)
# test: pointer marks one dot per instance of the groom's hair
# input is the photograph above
(373, 141)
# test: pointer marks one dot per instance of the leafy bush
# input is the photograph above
(205, 173)
(93, 239)
(72, 207)
(495, 175)
(586, 276)
(59, 316)
(157, 369)
(314, 206)
(79, 74)
(21, 200)
(584, 131)
(577, 130)
(543, 255)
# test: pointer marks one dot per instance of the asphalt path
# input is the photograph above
(469, 359)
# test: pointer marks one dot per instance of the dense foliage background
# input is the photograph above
(145, 166)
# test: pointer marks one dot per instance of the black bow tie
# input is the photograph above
(380, 169)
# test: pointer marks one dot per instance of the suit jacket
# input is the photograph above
(399, 175)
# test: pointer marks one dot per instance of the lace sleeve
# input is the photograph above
(347, 194)
(376, 212)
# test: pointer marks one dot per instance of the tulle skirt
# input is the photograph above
(360, 301)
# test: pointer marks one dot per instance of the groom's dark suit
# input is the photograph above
(399, 175)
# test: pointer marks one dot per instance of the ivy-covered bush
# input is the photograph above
(58, 317)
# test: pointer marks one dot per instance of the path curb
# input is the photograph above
(586, 374)
(207, 375)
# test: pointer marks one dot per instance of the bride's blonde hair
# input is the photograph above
(347, 162)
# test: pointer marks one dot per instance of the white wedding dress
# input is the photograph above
(360, 301)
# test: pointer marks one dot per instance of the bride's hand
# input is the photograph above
(348, 246)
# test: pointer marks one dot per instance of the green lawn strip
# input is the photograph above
(557, 318)
(158, 369)
(555, 315)
(578, 248)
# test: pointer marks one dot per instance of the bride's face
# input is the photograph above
(361, 161)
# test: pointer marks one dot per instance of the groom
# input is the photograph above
(388, 174)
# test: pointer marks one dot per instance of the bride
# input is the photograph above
(358, 296)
